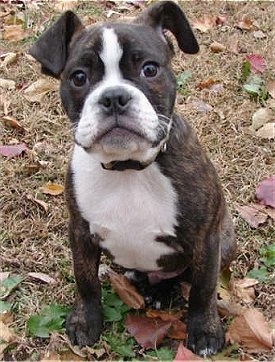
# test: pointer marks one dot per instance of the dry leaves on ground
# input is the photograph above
(126, 291)
(265, 192)
(251, 331)
(13, 150)
(52, 189)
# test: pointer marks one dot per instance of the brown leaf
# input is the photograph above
(126, 291)
(148, 332)
(52, 189)
(216, 47)
(252, 215)
(163, 315)
(6, 333)
(251, 331)
(227, 308)
(178, 330)
(261, 117)
(7, 317)
(267, 131)
(42, 277)
(13, 150)
(8, 58)
(37, 90)
(7, 83)
(247, 24)
(208, 83)
(265, 191)
(271, 87)
(184, 354)
(233, 44)
(205, 23)
(244, 290)
(13, 123)
(15, 33)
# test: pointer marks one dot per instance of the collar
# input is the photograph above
(124, 165)
(130, 164)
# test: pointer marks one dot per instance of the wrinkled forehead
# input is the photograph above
(123, 39)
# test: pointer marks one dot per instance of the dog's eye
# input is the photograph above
(79, 78)
(149, 70)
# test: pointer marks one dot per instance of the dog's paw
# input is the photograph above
(205, 336)
(84, 324)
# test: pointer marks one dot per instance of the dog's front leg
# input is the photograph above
(205, 332)
(85, 322)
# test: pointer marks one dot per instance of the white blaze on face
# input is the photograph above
(110, 55)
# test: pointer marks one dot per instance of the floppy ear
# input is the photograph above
(168, 15)
(51, 49)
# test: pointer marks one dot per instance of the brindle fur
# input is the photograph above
(204, 231)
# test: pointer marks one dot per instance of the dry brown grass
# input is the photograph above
(32, 239)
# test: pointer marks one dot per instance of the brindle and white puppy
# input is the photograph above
(139, 185)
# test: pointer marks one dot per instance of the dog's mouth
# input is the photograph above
(122, 138)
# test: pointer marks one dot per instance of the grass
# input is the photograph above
(35, 240)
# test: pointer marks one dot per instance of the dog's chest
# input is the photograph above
(128, 210)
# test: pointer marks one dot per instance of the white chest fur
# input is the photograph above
(127, 209)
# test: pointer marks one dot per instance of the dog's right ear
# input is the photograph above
(51, 49)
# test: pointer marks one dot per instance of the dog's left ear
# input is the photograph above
(168, 15)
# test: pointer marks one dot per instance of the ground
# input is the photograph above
(33, 235)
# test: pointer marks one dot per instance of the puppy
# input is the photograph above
(139, 186)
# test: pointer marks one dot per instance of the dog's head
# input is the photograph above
(116, 83)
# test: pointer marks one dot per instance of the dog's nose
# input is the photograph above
(114, 100)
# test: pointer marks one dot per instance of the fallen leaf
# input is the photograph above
(42, 277)
(51, 356)
(8, 58)
(265, 191)
(261, 117)
(228, 308)
(52, 189)
(13, 150)
(251, 331)
(13, 123)
(37, 90)
(148, 332)
(7, 317)
(247, 24)
(163, 315)
(7, 83)
(233, 44)
(6, 334)
(184, 354)
(267, 131)
(271, 87)
(205, 23)
(15, 33)
(64, 5)
(244, 290)
(221, 20)
(4, 275)
(126, 291)
(257, 63)
(208, 83)
(251, 215)
(258, 34)
(178, 330)
(216, 47)
(202, 106)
